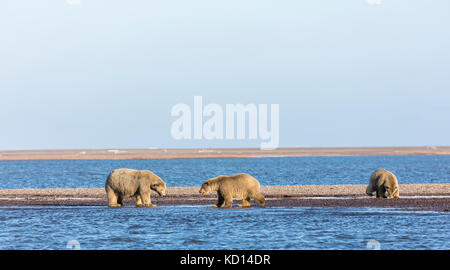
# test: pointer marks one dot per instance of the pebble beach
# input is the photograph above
(433, 197)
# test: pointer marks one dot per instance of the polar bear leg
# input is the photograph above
(138, 200)
(112, 197)
(396, 194)
(245, 202)
(380, 193)
(220, 200)
(120, 200)
(260, 198)
(370, 190)
(145, 198)
(228, 200)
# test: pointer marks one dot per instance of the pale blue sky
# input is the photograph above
(105, 74)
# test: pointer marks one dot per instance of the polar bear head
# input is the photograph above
(159, 186)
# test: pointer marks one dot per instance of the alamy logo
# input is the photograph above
(373, 244)
(73, 244)
(236, 123)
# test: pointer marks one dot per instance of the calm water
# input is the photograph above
(202, 227)
(192, 172)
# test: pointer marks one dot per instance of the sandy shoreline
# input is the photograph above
(435, 197)
(413, 196)
(161, 153)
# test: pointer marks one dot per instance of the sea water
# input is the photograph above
(193, 172)
(205, 227)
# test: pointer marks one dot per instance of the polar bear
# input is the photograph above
(384, 183)
(242, 186)
(125, 183)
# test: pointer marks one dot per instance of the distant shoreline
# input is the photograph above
(168, 153)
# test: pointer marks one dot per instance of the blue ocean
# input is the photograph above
(205, 227)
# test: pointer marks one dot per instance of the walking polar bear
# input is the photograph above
(126, 183)
(384, 183)
(242, 186)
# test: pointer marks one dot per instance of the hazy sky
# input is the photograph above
(105, 74)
